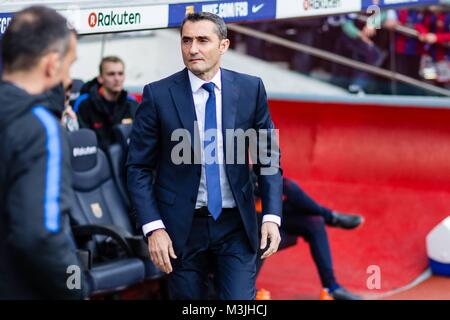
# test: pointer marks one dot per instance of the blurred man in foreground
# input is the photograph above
(36, 248)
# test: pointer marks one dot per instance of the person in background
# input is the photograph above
(409, 49)
(304, 217)
(103, 102)
(436, 29)
(435, 34)
(358, 39)
(305, 31)
(199, 216)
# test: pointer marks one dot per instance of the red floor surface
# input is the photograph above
(390, 164)
(434, 288)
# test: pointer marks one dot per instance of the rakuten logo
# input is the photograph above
(101, 19)
(84, 151)
(321, 4)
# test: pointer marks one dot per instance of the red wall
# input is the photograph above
(364, 143)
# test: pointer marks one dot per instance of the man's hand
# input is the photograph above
(269, 230)
(390, 24)
(160, 248)
(369, 31)
(366, 39)
(430, 38)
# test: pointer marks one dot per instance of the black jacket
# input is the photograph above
(36, 247)
(95, 113)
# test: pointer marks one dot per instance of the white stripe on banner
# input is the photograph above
(53, 170)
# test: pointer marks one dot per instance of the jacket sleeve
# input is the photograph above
(350, 29)
(443, 37)
(38, 221)
(267, 167)
(82, 111)
(133, 108)
(142, 159)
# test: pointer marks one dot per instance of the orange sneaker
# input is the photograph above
(263, 294)
(325, 295)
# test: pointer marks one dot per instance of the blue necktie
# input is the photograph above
(212, 169)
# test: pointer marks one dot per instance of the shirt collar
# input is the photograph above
(196, 82)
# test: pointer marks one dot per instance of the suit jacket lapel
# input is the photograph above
(182, 96)
(230, 100)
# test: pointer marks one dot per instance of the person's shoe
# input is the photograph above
(325, 295)
(345, 221)
(380, 57)
(343, 294)
(356, 89)
(263, 294)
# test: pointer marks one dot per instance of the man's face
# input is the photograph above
(57, 68)
(201, 46)
(435, 9)
(112, 77)
(68, 60)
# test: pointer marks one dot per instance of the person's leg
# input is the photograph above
(300, 203)
(360, 79)
(367, 53)
(340, 74)
(301, 61)
(235, 260)
(312, 229)
(188, 281)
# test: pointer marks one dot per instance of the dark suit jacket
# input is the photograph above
(160, 189)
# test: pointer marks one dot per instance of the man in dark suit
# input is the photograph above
(196, 209)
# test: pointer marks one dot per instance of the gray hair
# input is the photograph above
(221, 27)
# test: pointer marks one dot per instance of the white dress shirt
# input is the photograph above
(200, 97)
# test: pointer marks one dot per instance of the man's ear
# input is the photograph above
(100, 80)
(52, 65)
(224, 45)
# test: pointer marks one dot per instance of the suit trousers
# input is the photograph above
(215, 248)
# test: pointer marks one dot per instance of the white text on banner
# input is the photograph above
(304, 8)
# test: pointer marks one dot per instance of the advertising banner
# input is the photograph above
(230, 11)
(5, 18)
(305, 8)
(131, 18)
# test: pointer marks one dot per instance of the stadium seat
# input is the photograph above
(100, 220)
(117, 157)
(122, 134)
(113, 265)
